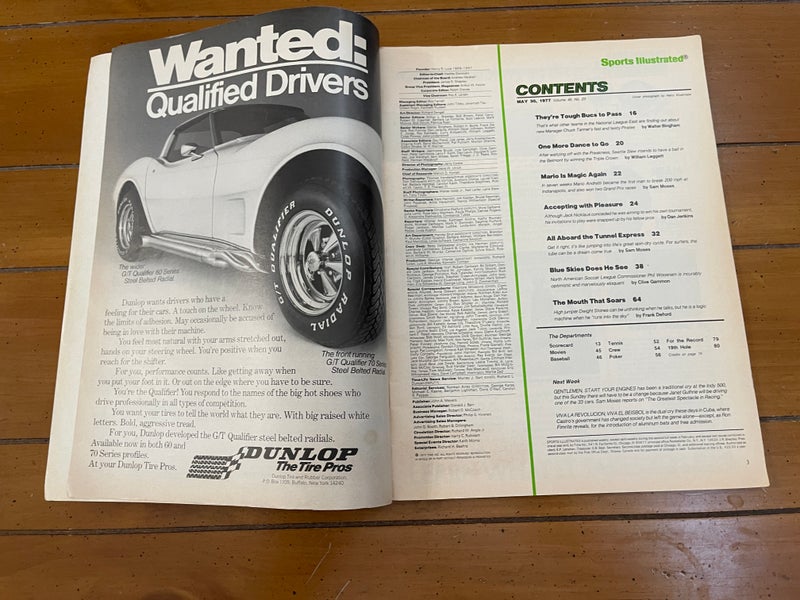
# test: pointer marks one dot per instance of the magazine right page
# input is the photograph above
(563, 308)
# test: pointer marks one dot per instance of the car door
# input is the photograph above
(243, 165)
(180, 184)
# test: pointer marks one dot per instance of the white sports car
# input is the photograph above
(266, 189)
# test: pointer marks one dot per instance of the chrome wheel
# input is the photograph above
(325, 253)
(126, 224)
(310, 263)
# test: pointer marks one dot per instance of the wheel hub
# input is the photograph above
(310, 263)
(313, 262)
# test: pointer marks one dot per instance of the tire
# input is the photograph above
(326, 262)
(131, 226)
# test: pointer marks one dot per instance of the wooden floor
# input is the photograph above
(728, 544)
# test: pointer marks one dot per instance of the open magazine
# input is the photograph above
(309, 273)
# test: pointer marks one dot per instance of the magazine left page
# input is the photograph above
(223, 340)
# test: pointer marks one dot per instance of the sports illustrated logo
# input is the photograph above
(326, 460)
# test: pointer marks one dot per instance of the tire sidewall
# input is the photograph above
(337, 324)
(131, 253)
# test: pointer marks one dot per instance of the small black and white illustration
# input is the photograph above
(256, 146)
(265, 189)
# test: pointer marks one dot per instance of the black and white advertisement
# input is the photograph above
(238, 270)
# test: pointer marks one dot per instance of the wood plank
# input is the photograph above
(44, 82)
(24, 508)
(24, 12)
(768, 284)
(36, 228)
(762, 193)
(31, 305)
(742, 557)
(762, 189)
(31, 308)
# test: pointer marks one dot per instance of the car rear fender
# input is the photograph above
(134, 176)
(318, 165)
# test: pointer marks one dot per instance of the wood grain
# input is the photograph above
(762, 193)
(721, 558)
(36, 228)
(23, 12)
(748, 48)
(694, 545)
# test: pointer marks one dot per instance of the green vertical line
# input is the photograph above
(516, 272)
